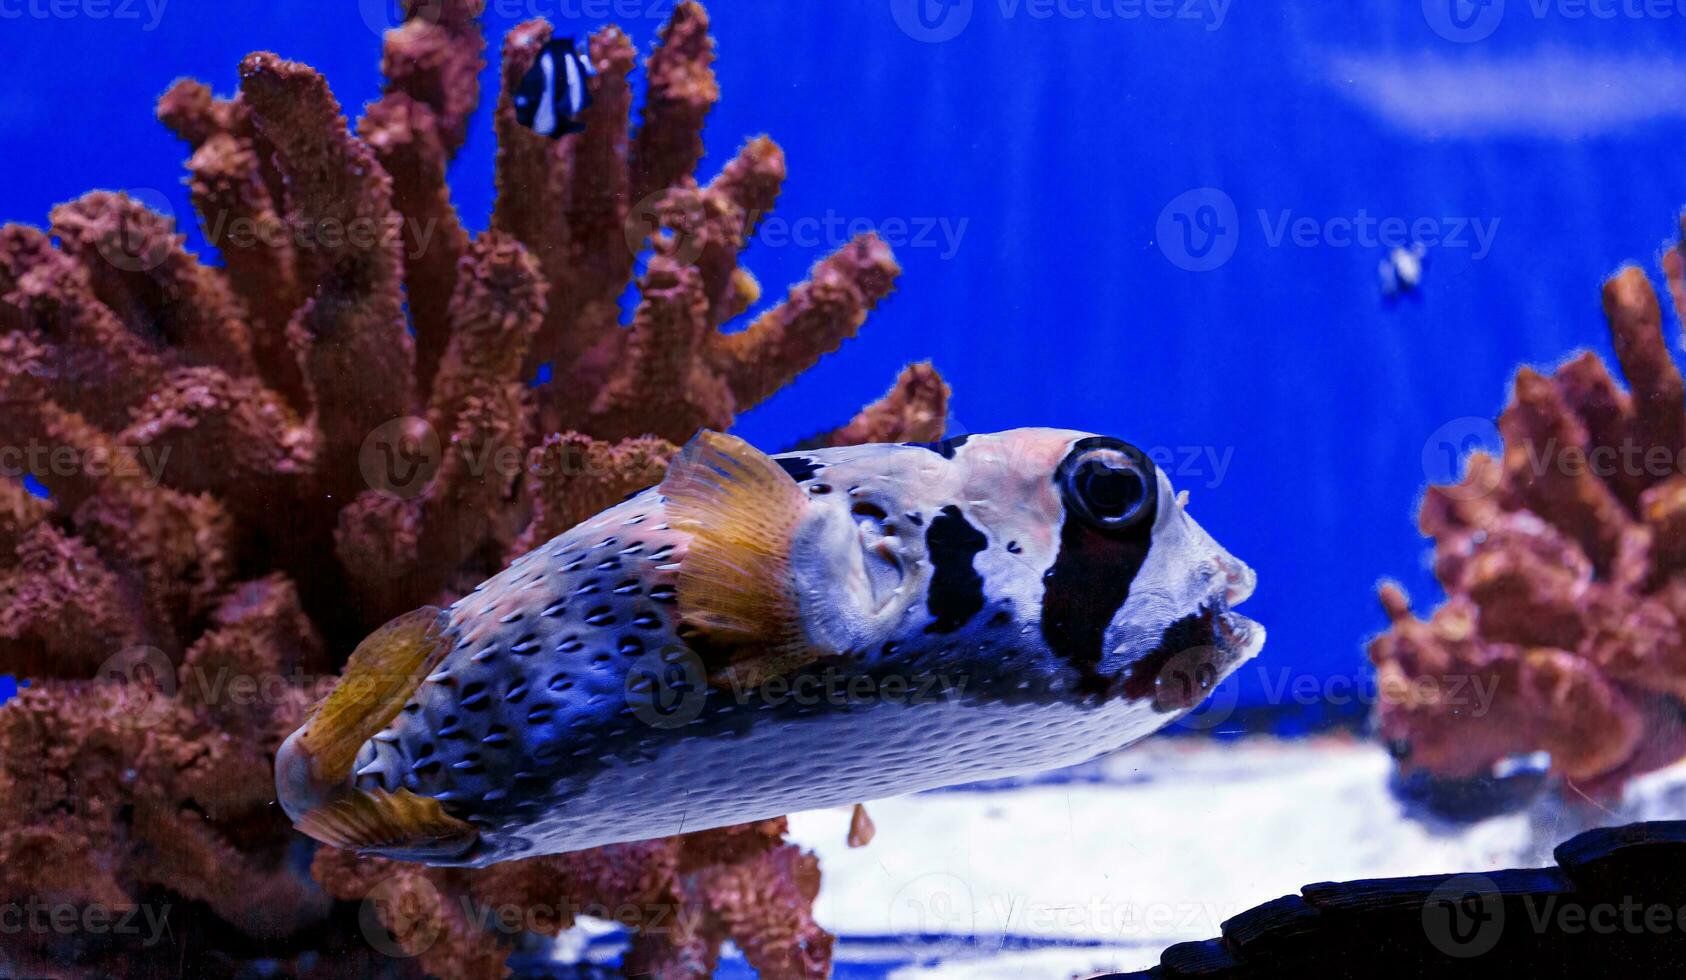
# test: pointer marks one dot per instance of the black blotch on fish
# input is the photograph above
(870, 511)
(800, 468)
(942, 447)
(956, 593)
(554, 92)
(1085, 588)
(1197, 632)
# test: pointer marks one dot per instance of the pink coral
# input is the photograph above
(270, 457)
(1566, 572)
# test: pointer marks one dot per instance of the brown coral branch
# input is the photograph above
(92, 360)
(530, 204)
(62, 610)
(224, 532)
(195, 115)
(599, 257)
(572, 476)
(662, 375)
(404, 135)
(1566, 575)
(743, 194)
(813, 321)
(915, 409)
(682, 91)
(139, 270)
(359, 362)
(434, 58)
(237, 198)
(494, 314)
(1658, 391)
(1545, 443)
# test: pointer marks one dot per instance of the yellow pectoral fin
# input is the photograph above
(402, 823)
(314, 764)
(735, 585)
(381, 674)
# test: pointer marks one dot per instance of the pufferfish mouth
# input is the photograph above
(1200, 650)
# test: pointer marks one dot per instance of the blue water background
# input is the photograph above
(1051, 146)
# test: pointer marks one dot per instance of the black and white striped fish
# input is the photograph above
(759, 635)
(553, 93)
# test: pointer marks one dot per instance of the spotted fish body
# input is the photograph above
(758, 636)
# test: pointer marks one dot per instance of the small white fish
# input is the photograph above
(553, 93)
(1402, 270)
(759, 635)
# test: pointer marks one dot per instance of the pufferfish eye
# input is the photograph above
(1111, 483)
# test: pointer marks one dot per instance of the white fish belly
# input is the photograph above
(845, 757)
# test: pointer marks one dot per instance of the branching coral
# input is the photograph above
(1565, 564)
(250, 465)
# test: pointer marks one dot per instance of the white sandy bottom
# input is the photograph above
(1160, 845)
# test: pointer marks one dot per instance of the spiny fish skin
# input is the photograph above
(973, 617)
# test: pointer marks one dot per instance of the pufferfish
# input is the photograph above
(764, 634)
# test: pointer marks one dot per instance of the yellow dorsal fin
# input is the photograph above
(401, 823)
(735, 585)
(379, 677)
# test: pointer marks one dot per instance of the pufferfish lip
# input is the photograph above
(1240, 636)
(1239, 581)
(1208, 646)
